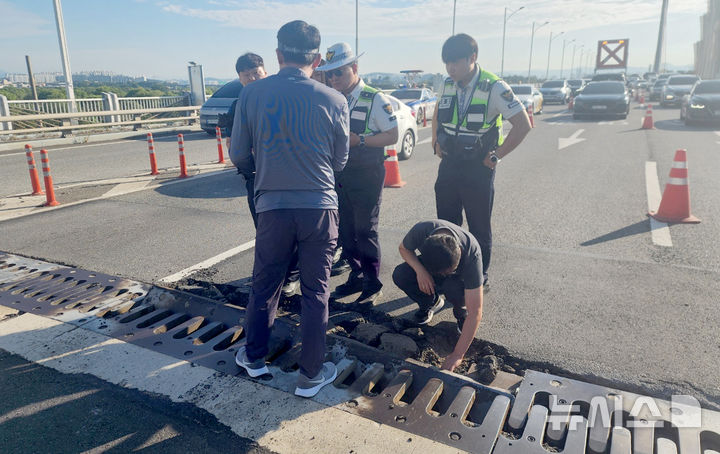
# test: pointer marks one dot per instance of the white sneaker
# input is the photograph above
(255, 368)
(308, 387)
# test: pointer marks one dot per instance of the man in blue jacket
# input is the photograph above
(298, 131)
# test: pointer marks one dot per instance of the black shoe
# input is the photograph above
(354, 284)
(460, 323)
(342, 266)
(423, 316)
(370, 294)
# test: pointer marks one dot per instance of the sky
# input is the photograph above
(157, 38)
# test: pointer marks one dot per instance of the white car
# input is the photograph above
(421, 101)
(407, 129)
(529, 96)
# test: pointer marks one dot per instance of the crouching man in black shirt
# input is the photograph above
(449, 266)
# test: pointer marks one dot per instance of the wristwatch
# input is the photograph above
(362, 140)
(494, 158)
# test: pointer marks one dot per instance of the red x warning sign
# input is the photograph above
(612, 53)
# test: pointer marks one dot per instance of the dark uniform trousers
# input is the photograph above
(467, 184)
(360, 196)
(314, 233)
(451, 286)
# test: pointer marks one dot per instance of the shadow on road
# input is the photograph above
(634, 229)
(221, 186)
(678, 125)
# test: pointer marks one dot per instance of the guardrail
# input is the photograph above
(136, 117)
(51, 115)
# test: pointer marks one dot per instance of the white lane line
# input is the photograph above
(659, 230)
(98, 144)
(11, 154)
(424, 141)
(207, 263)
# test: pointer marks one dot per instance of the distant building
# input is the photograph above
(707, 50)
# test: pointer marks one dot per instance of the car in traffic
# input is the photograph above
(556, 91)
(575, 85)
(530, 96)
(608, 98)
(421, 101)
(702, 104)
(656, 90)
(407, 129)
(600, 77)
(675, 88)
(220, 103)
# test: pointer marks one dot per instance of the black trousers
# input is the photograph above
(360, 195)
(468, 185)
(313, 234)
(451, 286)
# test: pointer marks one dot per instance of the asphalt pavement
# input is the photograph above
(577, 282)
(45, 411)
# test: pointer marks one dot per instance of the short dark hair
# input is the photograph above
(248, 61)
(457, 47)
(303, 38)
(440, 253)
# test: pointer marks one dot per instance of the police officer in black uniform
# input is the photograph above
(373, 126)
(467, 136)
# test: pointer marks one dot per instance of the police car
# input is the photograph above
(421, 101)
(407, 129)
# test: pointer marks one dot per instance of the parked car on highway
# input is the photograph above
(676, 87)
(575, 85)
(407, 129)
(219, 103)
(603, 98)
(703, 103)
(555, 91)
(529, 96)
(421, 101)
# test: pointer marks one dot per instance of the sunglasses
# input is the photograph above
(334, 73)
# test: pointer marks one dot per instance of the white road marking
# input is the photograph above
(207, 263)
(572, 140)
(39, 209)
(11, 154)
(659, 230)
(126, 188)
(98, 144)
(424, 141)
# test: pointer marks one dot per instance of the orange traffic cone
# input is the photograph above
(392, 170)
(571, 103)
(675, 203)
(648, 121)
(530, 116)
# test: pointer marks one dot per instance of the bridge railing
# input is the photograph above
(57, 115)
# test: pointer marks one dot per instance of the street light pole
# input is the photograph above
(572, 62)
(562, 59)
(532, 38)
(357, 51)
(69, 88)
(454, 5)
(547, 71)
(578, 70)
(505, 19)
